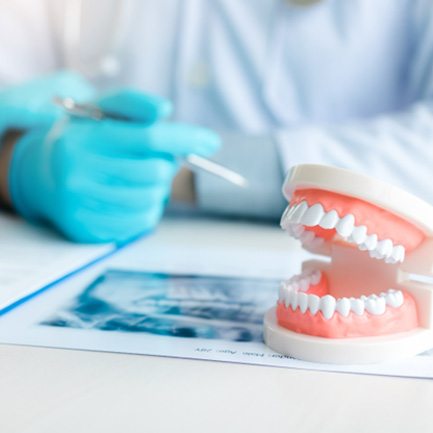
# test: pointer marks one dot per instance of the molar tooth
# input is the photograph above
(315, 278)
(301, 208)
(370, 242)
(375, 305)
(345, 225)
(327, 306)
(394, 298)
(330, 220)
(313, 304)
(398, 253)
(385, 247)
(343, 306)
(303, 302)
(357, 305)
(374, 254)
(359, 235)
(313, 215)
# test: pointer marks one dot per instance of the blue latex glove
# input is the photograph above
(30, 104)
(104, 181)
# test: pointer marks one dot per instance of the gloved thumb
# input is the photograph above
(139, 107)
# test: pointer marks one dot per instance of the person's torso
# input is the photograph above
(261, 64)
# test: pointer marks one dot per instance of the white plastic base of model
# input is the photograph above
(362, 350)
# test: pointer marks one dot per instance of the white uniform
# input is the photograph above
(341, 82)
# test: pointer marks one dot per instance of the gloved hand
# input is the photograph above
(104, 181)
(30, 104)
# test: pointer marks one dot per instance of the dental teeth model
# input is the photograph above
(364, 305)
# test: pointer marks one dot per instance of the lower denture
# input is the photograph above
(393, 320)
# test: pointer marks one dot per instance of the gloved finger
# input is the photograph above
(13, 117)
(127, 171)
(91, 226)
(31, 104)
(110, 199)
(139, 107)
(177, 139)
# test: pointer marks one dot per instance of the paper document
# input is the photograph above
(33, 257)
(164, 296)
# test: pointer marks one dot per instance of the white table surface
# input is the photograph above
(53, 390)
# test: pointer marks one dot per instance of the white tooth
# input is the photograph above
(374, 254)
(398, 253)
(285, 296)
(315, 278)
(297, 230)
(390, 260)
(293, 300)
(313, 304)
(359, 234)
(343, 306)
(357, 305)
(370, 242)
(345, 225)
(330, 220)
(301, 208)
(313, 215)
(327, 306)
(307, 237)
(375, 305)
(284, 218)
(304, 284)
(394, 298)
(303, 302)
(295, 285)
(385, 247)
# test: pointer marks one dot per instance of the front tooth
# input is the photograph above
(315, 278)
(313, 215)
(375, 305)
(284, 218)
(357, 305)
(301, 208)
(359, 235)
(330, 220)
(293, 299)
(343, 306)
(398, 253)
(297, 230)
(385, 247)
(313, 304)
(327, 306)
(303, 302)
(394, 298)
(282, 293)
(345, 225)
(307, 237)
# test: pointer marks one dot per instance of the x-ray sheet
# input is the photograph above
(177, 315)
